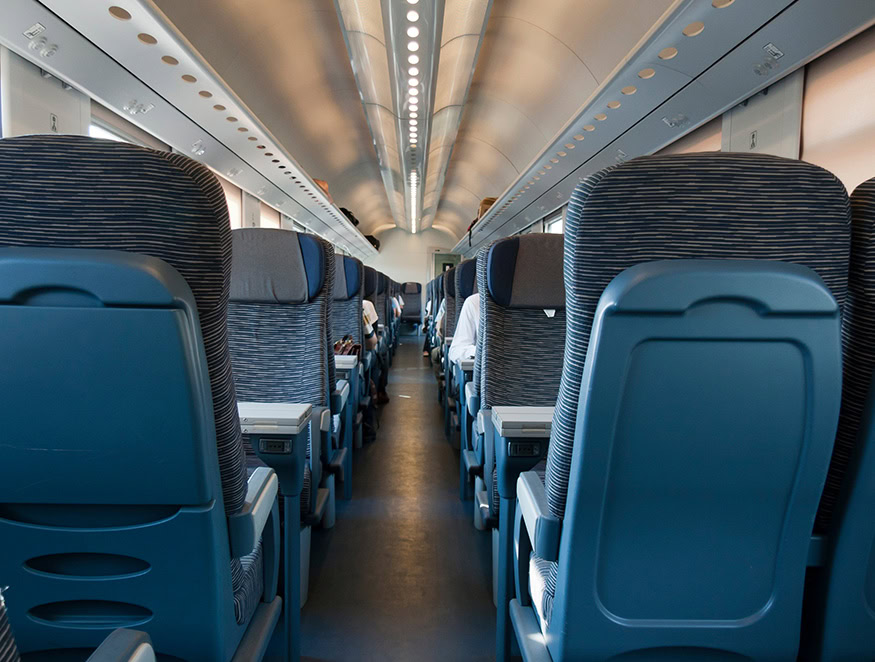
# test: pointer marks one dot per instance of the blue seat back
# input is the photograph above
(113, 301)
(696, 206)
(466, 283)
(346, 314)
(843, 595)
(709, 403)
(412, 294)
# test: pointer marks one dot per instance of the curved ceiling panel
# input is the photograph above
(538, 64)
(287, 60)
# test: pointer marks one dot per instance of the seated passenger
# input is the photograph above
(396, 307)
(426, 320)
(369, 317)
(464, 345)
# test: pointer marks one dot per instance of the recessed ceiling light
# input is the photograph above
(414, 114)
(413, 31)
(188, 78)
(169, 59)
(554, 160)
(412, 2)
(413, 82)
(413, 71)
(413, 122)
(563, 154)
(694, 29)
(668, 53)
(218, 106)
(629, 89)
(205, 94)
(536, 178)
(414, 92)
(541, 172)
(548, 167)
(125, 15)
(146, 38)
(569, 145)
(586, 127)
(613, 105)
(601, 117)
(231, 118)
(412, 15)
(413, 46)
(413, 59)
(646, 73)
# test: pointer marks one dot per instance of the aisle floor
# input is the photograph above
(403, 575)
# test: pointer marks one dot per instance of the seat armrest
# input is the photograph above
(521, 436)
(245, 527)
(125, 646)
(484, 421)
(279, 434)
(340, 396)
(543, 527)
(472, 400)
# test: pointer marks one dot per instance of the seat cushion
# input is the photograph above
(542, 588)
(251, 589)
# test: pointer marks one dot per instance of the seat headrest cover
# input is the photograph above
(347, 278)
(275, 266)
(412, 288)
(527, 271)
(466, 278)
(381, 282)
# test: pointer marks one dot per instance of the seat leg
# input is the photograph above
(503, 629)
(292, 577)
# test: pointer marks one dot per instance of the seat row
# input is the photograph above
(176, 418)
(672, 416)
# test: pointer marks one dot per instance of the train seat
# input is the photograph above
(713, 559)
(115, 264)
(522, 327)
(841, 593)
(282, 286)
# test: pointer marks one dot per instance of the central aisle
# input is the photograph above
(403, 575)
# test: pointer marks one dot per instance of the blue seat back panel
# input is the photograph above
(709, 405)
(109, 481)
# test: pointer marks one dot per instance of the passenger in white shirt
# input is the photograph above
(464, 345)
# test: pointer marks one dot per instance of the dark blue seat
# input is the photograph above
(122, 493)
(520, 344)
(841, 591)
(412, 294)
(281, 298)
(346, 321)
(694, 424)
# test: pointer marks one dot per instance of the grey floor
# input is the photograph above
(403, 575)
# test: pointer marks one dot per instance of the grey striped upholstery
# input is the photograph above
(8, 650)
(280, 351)
(709, 205)
(78, 192)
(480, 277)
(346, 315)
(519, 349)
(858, 340)
(450, 297)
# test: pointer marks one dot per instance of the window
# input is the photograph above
(97, 131)
(554, 225)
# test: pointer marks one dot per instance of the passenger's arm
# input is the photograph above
(464, 343)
